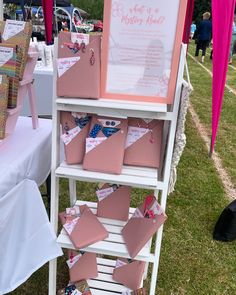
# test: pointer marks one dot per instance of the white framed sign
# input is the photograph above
(141, 49)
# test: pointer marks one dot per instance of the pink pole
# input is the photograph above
(222, 17)
(48, 19)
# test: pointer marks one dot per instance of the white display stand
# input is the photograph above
(146, 178)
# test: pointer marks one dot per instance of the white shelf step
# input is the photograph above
(139, 177)
(114, 108)
(104, 284)
(113, 245)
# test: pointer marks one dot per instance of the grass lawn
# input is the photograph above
(201, 100)
(191, 262)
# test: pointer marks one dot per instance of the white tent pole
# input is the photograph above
(1, 9)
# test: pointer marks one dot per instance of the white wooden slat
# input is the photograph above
(106, 262)
(147, 179)
(103, 103)
(107, 248)
(105, 277)
(102, 292)
(115, 241)
(105, 269)
(93, 205)
(106, 286)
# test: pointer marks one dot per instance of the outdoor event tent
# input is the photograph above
(63, 3)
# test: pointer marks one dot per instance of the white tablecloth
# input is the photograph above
(26, 239)
(43, 82)
(27, 154)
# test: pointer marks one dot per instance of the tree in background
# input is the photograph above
(93, 7)
(200, 7)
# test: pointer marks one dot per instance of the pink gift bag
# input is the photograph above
(82, 266)
(78, 65)
(129, 273)
(85, 229)
(114, 202)
(143, 143)
(105, 145)
(75, 128)
(142, 225)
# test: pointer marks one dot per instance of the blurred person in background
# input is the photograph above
(203, 35)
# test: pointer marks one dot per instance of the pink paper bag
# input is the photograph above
(105, 149)
(75, 128)
(114, 202)
(143, 225)
(129, 273)
(85, 229)
(82, 266)
(143, 143)
(78, 65)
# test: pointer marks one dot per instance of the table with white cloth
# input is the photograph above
(25, 160)
(43, 82)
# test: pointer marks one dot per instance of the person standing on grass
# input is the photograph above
(233, 41)
(204, 33)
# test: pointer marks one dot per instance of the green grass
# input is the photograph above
(201, 100)
(191, 262)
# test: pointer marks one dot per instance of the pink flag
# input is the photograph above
(48, 19)
(222, 16)
(188, 21)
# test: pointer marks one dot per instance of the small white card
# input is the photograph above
(69, 226)
(12, 27)
(109, 123)
(91, 143)
(79, 115)
(138, 213)
(156, 209)
(104, 193)
(70, 135)
(73, 211)
(134, 134)
(147, 121)
(5, 54)
(120, 263)
(64, 64)
(79, 38)
(72, 261)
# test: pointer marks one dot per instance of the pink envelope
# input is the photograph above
(75, 149)
(130, 274)
(80, 74)
(107, 157)
(146, 150)
(85, 268)
(88, 229)
(138, 230)
(116, 205)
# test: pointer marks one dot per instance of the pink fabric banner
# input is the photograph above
(222, 17)
(188, 21)
(48, 18)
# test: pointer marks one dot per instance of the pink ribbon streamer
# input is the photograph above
(48, 19)
(222, 16)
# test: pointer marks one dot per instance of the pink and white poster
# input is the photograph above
(141, 48)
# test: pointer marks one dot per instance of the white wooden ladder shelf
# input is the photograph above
(137, 177)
